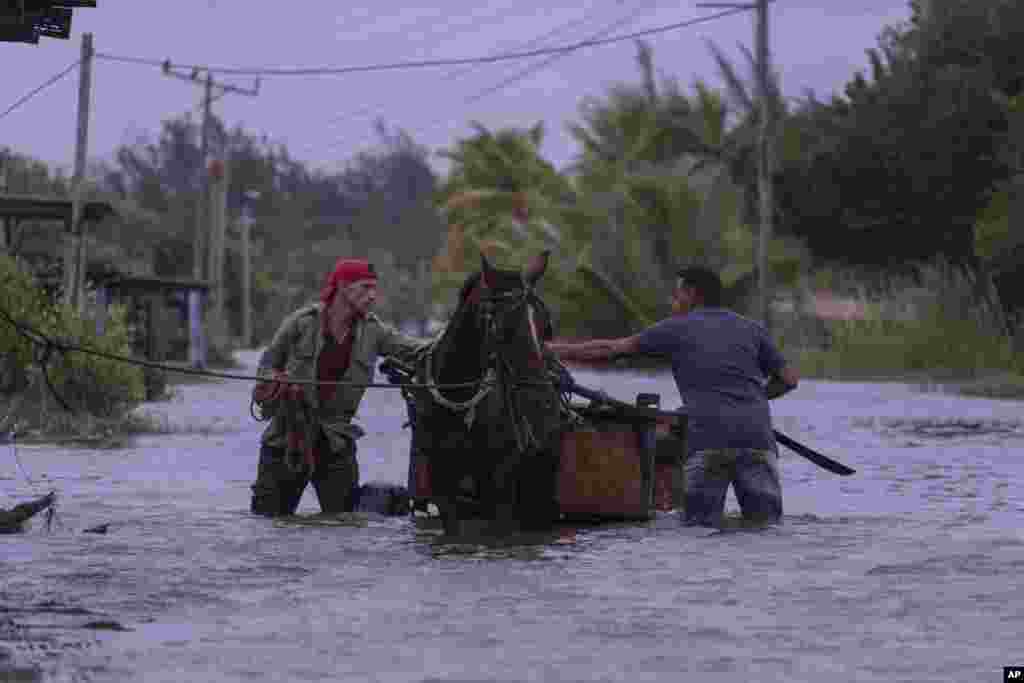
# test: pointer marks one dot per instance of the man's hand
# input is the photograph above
(277, 386)
(782, 383)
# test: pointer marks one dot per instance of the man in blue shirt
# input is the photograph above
(727, 369)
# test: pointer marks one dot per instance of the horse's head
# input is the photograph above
(498, 315)
(514, 319)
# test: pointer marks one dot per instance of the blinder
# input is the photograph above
(490, 306)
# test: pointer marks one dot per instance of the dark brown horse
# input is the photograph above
(492, 444)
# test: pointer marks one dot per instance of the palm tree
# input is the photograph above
(677, 169)
(500, 198)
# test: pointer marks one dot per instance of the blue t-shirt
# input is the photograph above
(720, 361)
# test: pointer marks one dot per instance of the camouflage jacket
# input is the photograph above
(296, 348)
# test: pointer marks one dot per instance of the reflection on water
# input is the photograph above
(909, 570)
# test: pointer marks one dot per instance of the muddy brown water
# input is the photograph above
(910, 570)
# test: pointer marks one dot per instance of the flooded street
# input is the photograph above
(910, 570)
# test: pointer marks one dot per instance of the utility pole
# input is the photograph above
(201, 266)
(75, 256)
(218, 193)
(765, 166)
(765, 162)
(200, 240)
(200, 236)
(246, 225)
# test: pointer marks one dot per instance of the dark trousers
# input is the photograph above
(753, 473)
(278, 488)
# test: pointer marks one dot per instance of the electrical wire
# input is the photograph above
(529, 71)
(458, 73)
(424, 63)
(39, 89)
(357, 115)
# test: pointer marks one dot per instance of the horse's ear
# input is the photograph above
(535, 269)
(486, 271)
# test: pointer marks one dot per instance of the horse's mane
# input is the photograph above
(459, 314)
(468, 286)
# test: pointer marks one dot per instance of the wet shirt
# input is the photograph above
(334, 361)
(720, 361)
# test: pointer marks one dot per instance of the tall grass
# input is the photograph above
(953, 333)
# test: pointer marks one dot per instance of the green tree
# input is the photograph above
(902, 164)
(682, 172)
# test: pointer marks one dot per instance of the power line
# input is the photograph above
(42, 87)
(573, 23)
(394, 66)
(472, 67)
(529, 71)
(498, 16)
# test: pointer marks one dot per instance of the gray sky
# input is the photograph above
(816, 45)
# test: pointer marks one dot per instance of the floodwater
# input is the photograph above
(909, 570)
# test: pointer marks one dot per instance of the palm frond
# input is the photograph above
(736, 86)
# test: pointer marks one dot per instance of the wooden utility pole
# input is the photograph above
(220, 176)
(246, 282)
(246, 226)
(201, 265)
(201, 235)
(765, 162)
(765, 166)
(75, 256)
(200, 242)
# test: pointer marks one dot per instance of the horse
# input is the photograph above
(491, 441)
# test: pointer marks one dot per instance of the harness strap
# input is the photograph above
(469, 406)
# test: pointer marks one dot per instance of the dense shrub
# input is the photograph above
(100, 386)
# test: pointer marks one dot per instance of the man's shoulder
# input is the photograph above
(729, 314)
(303, 316)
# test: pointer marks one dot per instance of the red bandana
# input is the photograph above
(346, 271)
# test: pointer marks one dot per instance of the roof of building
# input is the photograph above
(147, 284)
(50, 209)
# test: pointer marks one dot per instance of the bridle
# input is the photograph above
(490, 305)
(494, 309)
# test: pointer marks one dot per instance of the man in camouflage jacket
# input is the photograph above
(311, 436)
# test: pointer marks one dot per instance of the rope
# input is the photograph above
(50, 344)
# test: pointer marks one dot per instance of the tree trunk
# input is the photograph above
(626, 306)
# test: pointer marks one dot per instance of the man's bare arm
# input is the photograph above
(594, 350)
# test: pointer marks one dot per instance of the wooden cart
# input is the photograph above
(614, 465)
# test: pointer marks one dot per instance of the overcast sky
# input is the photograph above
(816, 45)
